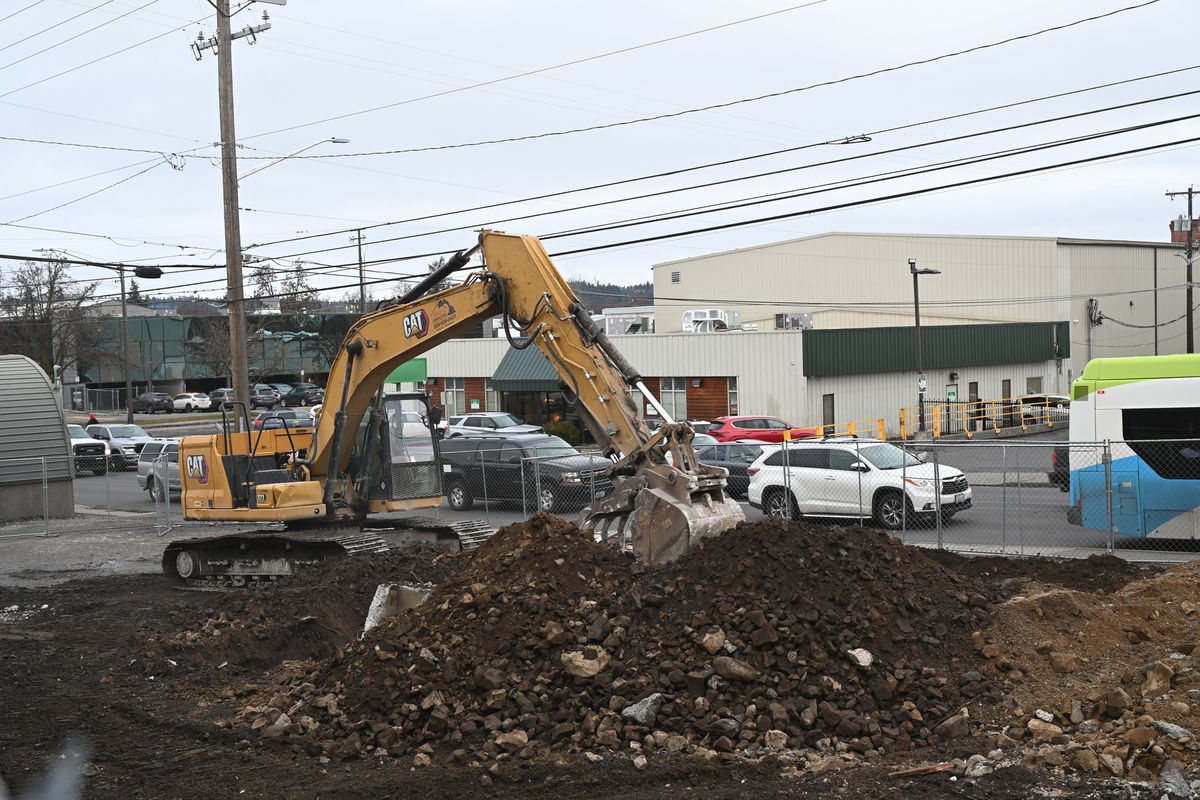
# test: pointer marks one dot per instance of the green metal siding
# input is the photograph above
(525, 371)
(857, 351)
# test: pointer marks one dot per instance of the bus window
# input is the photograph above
(1167, 439)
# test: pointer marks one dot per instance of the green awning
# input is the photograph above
(409, 372)
(525, 371)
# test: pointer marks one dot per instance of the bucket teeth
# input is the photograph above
(656, 526)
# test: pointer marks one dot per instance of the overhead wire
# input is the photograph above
(877, 177)
(113, 185)
(76, 36)
(96, 60)
(696, 110)
(541, 70)
(20, 10)
(809, 211)
(87, 10)
(728, 162)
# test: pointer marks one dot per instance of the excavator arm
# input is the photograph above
(660, 506)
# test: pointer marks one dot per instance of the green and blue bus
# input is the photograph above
(1148, 409)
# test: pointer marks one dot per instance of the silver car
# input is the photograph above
(158, 468)
(490, 423)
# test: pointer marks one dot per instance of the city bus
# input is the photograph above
(1148, 409)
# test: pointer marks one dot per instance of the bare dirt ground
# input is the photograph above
(157, 678)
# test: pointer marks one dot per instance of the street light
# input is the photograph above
(921, 385)
(261, 167)
(146, 272)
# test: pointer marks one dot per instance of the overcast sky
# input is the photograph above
(322, 60)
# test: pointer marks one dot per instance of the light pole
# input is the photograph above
(261, 167)
(921, 386)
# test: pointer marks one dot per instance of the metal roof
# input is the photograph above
(525, 370)
(31, 425)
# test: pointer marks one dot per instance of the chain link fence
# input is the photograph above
(1134, 499)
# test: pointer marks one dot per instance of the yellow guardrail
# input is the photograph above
(970, 417)
(863, 428)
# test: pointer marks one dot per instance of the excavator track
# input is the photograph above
(257, 558)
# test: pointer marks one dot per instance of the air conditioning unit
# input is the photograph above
(710, 320)
(793, 321)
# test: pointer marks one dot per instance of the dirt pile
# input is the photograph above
(772, 637)
(309, 615)
(1106, 683)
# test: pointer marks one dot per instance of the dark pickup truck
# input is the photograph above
(543, 473)
(1060, 468)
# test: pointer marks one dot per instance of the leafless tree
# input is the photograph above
(44, 313)
(297, 293)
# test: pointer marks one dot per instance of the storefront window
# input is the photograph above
(674, 397)
(492, 396)
(456, 397)
(733, 396)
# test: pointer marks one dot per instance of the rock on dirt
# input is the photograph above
(583, 634)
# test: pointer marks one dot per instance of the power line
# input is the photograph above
(810, 211)
(126, 179)
(727, 162)
(19, 10)
(883, 198)
(105, 57)
(880, 177)
(684, 112)
(45, 30)
(541, 70)
(83, 145)
(877, 177)
(78, 35)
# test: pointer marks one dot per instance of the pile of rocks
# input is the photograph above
(772, 637)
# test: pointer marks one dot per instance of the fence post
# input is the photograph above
(487, 513)
(1020, 506)
(45, 498)
(903, 485)
(1003, 497)
(858, 458)
(1108, 493)
(937, 495)
(787, 481)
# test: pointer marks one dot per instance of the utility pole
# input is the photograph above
(362, 286)
(1187, 255)
(233, 233)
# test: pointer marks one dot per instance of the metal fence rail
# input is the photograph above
(1136, 499)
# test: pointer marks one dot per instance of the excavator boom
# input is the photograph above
(354, 464)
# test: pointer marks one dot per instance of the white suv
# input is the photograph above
(489, 423)
(854, 478)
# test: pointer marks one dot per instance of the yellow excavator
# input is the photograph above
(360, 459)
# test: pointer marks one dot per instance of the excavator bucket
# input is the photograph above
(654, 523)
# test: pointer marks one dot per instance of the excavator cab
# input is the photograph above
(399, 445)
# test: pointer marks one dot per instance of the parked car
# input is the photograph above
(490, 423)
(736, 457)
(90, 454)
(303, 395)
(854, 478)
(158, 472)
(147, 459)
(1060, 468)
(219, 397)
(149, 402)
(281, 388)
(128, 440)
(698, 425)
(544, 473)
(263, 396)
(410, 424)
(762, 429)
(192, 401)
(1043, 408)
(283, 418)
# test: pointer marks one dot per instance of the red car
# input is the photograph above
(763, 429)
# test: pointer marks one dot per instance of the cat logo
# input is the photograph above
(416, 324)
(197, 469)
(261, 497)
